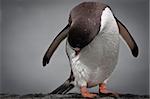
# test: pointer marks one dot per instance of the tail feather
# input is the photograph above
(64, 88)
(71, 86)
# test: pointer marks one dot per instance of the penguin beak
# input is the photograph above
(77, 50)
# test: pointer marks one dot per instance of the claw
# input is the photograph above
(103, 90)
(85, 93)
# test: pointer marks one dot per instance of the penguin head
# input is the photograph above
(79, 36)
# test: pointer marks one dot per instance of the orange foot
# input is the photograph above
(103, 90)
(86, 93)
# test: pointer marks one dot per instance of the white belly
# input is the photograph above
(95, 62)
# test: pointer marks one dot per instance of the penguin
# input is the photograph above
(92, 45)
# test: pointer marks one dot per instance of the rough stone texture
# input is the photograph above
(70, 96)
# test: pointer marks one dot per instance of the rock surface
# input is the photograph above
(70, 96)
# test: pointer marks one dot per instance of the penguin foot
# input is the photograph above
(103, 90)
(85, 93)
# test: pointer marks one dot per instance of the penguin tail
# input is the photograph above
(64, 88)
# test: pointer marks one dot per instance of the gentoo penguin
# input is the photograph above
(92, 46)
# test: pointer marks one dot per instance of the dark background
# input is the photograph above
(29, 26)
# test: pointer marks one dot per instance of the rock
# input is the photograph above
(70, 96)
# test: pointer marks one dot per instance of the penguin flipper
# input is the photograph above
(128, 38)
(61, 36)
